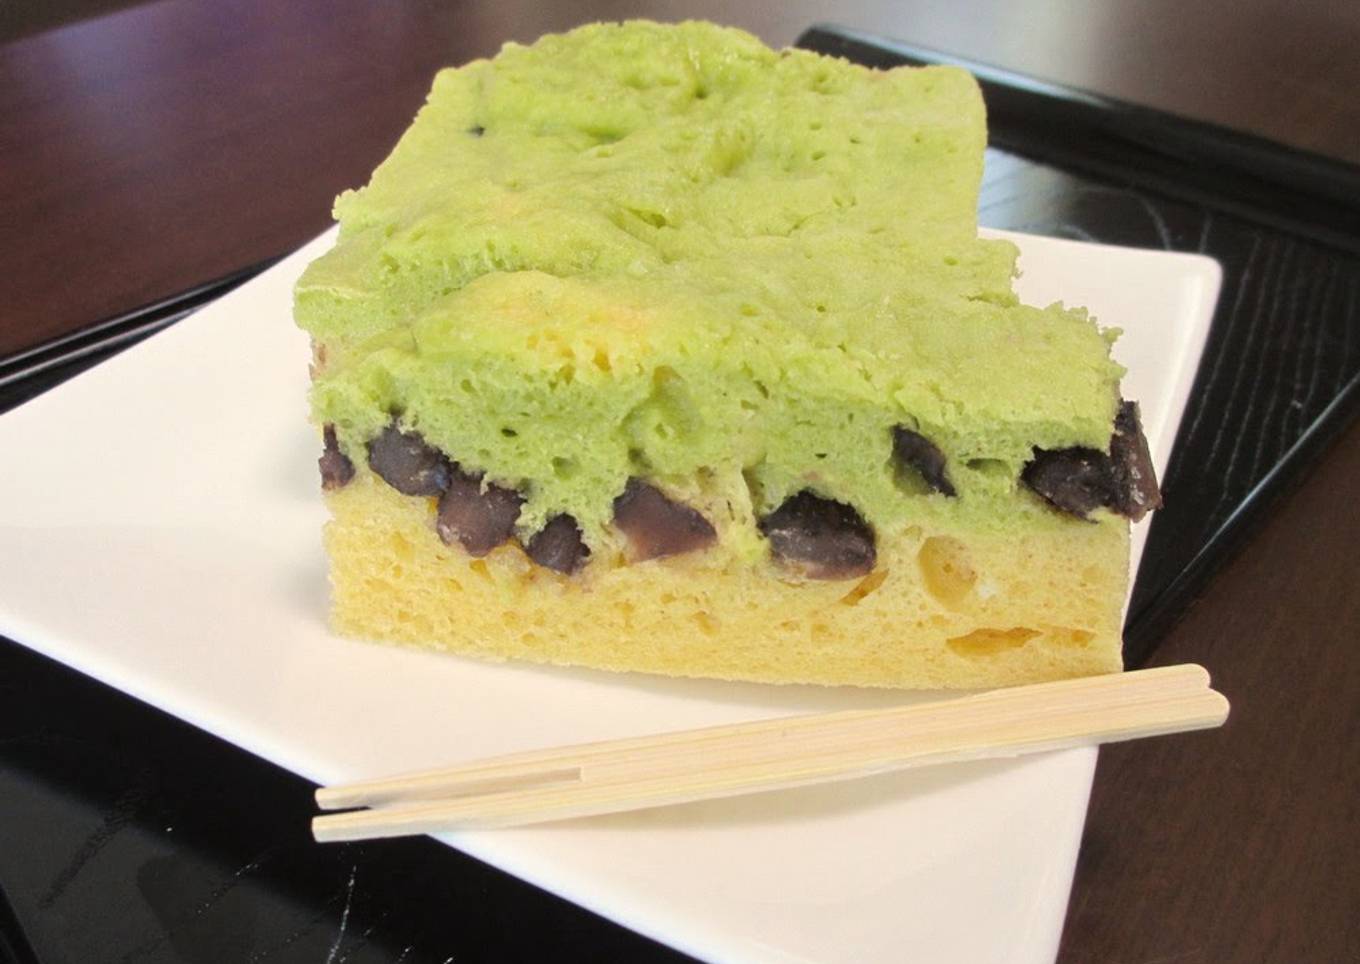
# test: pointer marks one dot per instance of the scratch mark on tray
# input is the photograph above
(360, 944)
(1158, 221)
(344, 915)
(1216, 369)
(1349, 319)
(1303, 399)
(231, 882)
(1310, 333)
(1292, 317)
(1268, 307)
(1204, 232)
(290, 939)
(205, 905)
(1248, 308)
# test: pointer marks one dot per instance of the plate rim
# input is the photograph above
(13, 625)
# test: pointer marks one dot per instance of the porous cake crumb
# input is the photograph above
(650, 348)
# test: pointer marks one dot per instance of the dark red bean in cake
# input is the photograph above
(477, 518)
(659, 526)
(1079, 480)
(406, 463)
(1075, 480)
(914, 450)
(559, 545)
(1135, 478)
(823, 538)
(336, 468)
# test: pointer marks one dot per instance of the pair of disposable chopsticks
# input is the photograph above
(723, 761)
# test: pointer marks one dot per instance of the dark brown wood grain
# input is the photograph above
(162, 146)
(152, 150)
(1241, 844)
(156, 148)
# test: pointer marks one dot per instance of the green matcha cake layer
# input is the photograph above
(667, 252)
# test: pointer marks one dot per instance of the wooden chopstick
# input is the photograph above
(720, 761)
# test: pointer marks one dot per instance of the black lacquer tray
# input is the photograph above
(128, 835)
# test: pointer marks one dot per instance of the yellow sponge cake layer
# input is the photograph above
(940, 609)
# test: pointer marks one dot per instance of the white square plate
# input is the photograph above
(160, 531)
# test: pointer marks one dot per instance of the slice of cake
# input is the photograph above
(650, 348)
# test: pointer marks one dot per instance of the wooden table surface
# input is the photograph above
(167, 144)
